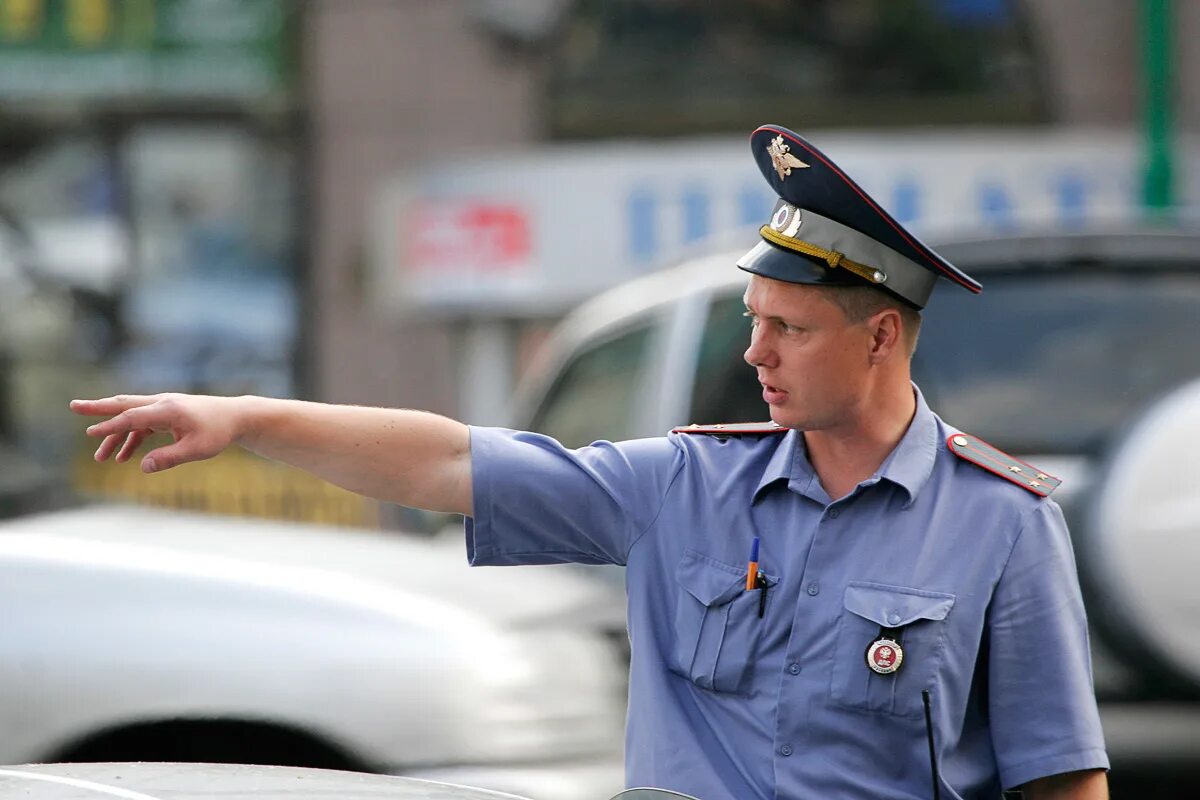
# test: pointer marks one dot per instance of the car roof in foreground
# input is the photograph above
(155, 781)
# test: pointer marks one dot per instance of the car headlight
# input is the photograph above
(536, 695)
(485, 693)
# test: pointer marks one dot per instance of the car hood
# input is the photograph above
(435, 568)
(146, 781)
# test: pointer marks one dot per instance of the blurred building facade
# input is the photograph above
(150, 208)
(395, 84)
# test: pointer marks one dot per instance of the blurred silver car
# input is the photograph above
(1082, 355)
(149, 635)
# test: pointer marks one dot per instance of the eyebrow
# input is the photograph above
(773, 318)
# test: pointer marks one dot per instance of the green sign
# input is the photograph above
(149, 49)
(1157, 53)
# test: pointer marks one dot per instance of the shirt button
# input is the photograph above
(893, 619)
(786, 750)
(794, 668)
(833, 514)
(813, 589)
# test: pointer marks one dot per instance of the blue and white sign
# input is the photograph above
(534, 233)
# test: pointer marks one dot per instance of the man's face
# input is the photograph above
(812, 363)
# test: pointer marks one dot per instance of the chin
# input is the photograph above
(780, 416)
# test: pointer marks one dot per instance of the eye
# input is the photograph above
(750, 315)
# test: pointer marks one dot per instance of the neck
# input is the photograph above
(846, 455)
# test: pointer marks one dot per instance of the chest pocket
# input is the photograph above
(717, 627)
(921, 617)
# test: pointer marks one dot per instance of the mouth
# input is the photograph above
(773, 395)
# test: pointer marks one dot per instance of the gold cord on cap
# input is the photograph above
(833, 258)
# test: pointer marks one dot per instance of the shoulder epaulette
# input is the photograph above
(977, 451)
(733, 429)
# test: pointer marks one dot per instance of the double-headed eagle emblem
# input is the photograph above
(782, 159)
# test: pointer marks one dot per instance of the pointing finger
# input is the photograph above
(107, 406)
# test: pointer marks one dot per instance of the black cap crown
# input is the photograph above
(826, 230)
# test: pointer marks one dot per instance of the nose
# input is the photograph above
(759, 353)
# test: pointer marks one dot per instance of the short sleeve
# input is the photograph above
(537, 502)
(1042, 704)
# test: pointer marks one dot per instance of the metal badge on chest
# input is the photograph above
(885, 655)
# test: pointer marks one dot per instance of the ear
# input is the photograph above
(887, 335)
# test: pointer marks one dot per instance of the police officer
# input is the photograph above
(854, 600)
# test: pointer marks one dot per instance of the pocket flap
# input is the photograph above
(894, 606)
(710, 582)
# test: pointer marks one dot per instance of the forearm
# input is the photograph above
(1085, 785)
(409, 457)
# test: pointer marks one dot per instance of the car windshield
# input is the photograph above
(1049, 363)
(1058, 364)
(596, 394)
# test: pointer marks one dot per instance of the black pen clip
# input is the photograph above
(762, 594)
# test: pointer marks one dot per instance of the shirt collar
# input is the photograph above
(780, 466)
(908, 466)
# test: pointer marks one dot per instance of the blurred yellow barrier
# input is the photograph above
(236, 483)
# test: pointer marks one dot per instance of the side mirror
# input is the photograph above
(651, 794)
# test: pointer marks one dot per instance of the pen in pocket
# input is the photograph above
(752, 569)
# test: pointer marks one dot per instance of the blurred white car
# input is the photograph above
(135, 634)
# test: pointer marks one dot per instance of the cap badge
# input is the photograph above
(885, 656)
(782, 159)
(787, 220)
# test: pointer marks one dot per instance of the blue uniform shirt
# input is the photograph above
(977, 573)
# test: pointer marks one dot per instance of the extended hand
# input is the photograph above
(201, 426)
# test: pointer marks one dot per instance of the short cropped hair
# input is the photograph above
(858, 303)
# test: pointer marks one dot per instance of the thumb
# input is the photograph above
(172, 455)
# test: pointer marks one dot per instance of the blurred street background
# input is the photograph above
(392, 201)
(396, 202)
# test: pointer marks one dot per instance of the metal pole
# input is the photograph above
(1157, 196)
(487, 361)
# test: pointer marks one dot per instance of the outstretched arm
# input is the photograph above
(410, 457)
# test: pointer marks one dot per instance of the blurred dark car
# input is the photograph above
(1082, 356)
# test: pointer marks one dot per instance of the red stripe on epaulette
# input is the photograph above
(998, 462)
(733, 429)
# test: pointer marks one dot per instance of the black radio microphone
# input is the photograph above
(937, 792)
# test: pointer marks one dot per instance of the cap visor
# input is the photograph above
(783, 265)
